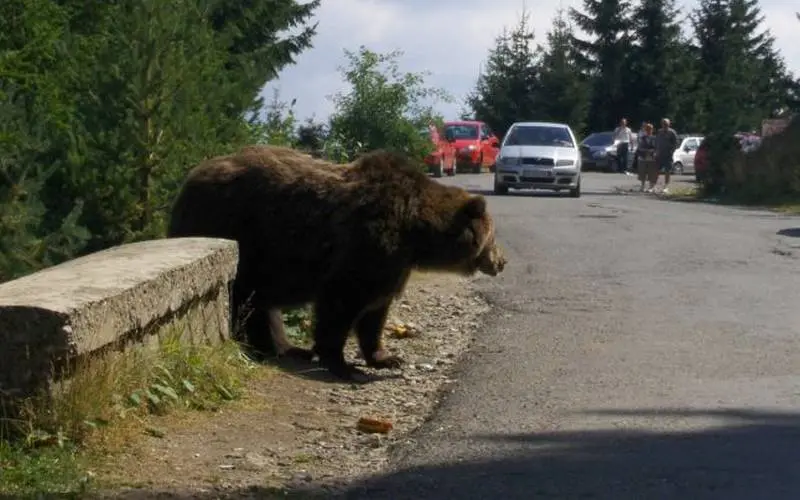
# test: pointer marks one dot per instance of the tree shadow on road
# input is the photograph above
(755, 456)
(792, 232)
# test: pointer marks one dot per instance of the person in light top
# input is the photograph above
(623, 138)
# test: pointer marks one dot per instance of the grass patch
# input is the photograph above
(682, 193)
(29, 473)
(109, 401)
(783, 204)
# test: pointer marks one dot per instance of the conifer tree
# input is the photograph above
(563, 92)
(604, 58)
(660, 66)
(506, 89)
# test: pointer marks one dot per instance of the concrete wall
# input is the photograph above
(106, 300)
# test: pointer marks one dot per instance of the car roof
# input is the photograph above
(541, 124)
(463, 122)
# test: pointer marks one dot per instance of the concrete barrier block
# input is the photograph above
(109, 299)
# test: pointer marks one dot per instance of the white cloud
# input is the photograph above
(449, 38)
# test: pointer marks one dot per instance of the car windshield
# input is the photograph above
(599, 139)
(462, 131)
(539, 135)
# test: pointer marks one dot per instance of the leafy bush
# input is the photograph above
(383, 109)
(770, 173)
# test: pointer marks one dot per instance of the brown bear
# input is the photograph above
(341, 237)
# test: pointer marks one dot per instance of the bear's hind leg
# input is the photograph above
(369, 330)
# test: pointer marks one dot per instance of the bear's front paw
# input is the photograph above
(348, 372)
(386, 361)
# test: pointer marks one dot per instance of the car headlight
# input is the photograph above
(509, 161)
(565, 163)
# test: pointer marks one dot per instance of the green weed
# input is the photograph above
(107, 402)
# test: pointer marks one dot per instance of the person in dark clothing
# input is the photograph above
(646, 158)
(666, 144)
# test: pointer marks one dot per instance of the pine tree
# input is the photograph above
(763, 68)
(506, 90)
(254, 34)
(741, 65)
(311, 135)
(33, 109)
(159, 86)
(563, 92)
(605, 57)
(659, 63)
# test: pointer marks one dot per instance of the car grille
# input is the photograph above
(538, 161)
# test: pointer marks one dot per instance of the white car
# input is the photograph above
(538, 155)
(683, 157)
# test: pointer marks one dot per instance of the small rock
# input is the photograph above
(256, 460)
(426, 367)
(302, 476)
(227, 467)
(373, 440)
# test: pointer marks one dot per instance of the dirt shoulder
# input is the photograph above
(297, 429)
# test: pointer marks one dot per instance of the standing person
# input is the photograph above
(666, 144)
(622, 136)
(646, 158)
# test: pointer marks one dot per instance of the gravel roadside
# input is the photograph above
(298, 431)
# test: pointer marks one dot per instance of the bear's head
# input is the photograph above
(463, 240)
(448, 229)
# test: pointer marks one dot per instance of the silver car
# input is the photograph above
(538, 155)
(683, 157)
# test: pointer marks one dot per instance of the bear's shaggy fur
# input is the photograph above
(341, 237)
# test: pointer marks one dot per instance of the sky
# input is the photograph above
(448, 38)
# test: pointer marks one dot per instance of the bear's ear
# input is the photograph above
(475, 207)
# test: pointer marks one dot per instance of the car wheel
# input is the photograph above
(677, 168)
(455, 167)
(438, 169)
(576, 191)
(500, 188)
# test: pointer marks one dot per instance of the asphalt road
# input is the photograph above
(639, 349)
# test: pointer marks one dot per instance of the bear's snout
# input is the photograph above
(492, 261)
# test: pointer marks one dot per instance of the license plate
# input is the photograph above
(540, 172)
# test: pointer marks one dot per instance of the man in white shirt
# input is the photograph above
(623, 137)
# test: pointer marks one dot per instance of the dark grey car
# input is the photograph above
(599, 152)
